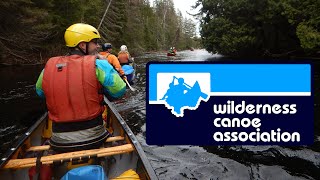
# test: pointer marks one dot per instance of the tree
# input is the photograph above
(246, 27)
(25, 26)
(33, 30)
(304, 16)
(112, 27)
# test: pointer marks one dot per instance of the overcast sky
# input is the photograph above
(185, 5)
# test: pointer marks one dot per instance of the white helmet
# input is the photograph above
(123, 48)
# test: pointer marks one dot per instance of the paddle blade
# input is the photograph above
(132, 89)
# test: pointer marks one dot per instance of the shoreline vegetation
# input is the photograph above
(264, 59)
(266, 29)
(272, 28)
(32, 31)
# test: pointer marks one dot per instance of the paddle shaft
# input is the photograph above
(188, 86)
(203, 95)
(132, 89)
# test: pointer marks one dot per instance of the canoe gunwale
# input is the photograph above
(134, 141)
(21, 140)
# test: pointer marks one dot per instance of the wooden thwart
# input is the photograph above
(47, 147)
(29, 162)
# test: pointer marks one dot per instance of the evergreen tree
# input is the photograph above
(304, 16)
(112, 27)
(247, 27)
(33, 30)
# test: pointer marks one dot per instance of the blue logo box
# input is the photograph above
(229, 104)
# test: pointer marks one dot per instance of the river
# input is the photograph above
(20, 107)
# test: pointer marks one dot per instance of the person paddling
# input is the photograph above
(73, 86)
(112, 59)
(124, 56)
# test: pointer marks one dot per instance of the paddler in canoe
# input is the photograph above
(74, 86)
(112, 59)
(126, 62)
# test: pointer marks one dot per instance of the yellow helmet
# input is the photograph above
(80, 32)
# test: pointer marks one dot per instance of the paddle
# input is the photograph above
(132, 89)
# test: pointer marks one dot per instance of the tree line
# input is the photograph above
(32, 30)
(276, 28)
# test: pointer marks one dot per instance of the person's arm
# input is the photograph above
(130, 59)
(39, 85)
(110, 80)
(116, 64)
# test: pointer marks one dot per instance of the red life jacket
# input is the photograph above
(73, 92)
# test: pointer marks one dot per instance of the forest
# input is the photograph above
(32, 30)
(270, 28)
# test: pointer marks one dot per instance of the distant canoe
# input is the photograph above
(171, 54)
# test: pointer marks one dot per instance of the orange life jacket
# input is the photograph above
(123, 57)
(73, 92)
(113, 60)
(105, 54)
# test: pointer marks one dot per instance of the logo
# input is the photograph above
(182, 91)
(229, 104)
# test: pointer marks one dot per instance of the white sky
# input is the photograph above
(185, 5)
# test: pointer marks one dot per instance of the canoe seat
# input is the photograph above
(69, 156)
